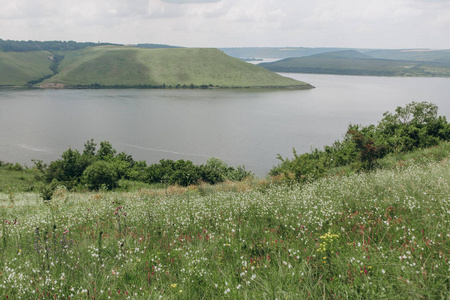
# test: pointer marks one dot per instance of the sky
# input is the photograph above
(390, 24)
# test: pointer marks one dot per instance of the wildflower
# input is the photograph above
(173, 285)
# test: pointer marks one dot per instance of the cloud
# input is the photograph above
(189, 1)
(216, 23)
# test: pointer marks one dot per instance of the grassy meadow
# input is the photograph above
(379, 234)
(17, 68)
(128, 66)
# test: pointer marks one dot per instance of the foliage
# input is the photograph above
(27, 46)
(46, 191)
(101, 174)
(185, 173)
(415, 126)
(105, 167)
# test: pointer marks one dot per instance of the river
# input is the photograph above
(241, 127)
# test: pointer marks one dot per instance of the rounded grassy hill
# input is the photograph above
(117, 66)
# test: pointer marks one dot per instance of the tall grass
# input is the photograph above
(383, 234)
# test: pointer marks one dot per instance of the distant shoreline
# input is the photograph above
(115, 87)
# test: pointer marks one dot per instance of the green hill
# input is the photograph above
(128, 66)
(274, 52)
(411, 54)
(350, 62)
(348, 54)
(18, 68)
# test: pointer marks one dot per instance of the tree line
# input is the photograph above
(103, 168)
(27, 46)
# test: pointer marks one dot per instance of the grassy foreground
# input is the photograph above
(382, 234)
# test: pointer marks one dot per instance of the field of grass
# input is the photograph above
(382, 234)
(17, 68)
(103, 65)
(15, 178)
(116, 66)
(328, 63)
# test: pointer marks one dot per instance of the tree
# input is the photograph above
(106, 151)
(89, 148)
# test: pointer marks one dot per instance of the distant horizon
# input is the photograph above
(178, 45)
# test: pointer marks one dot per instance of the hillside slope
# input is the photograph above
(411, 54)
(18, 68)
(351, 62)
(113, 66)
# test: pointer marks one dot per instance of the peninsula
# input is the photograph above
(118, 66)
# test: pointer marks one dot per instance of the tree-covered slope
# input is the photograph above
(128, 66)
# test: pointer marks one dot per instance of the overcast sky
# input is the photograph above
(233, 23)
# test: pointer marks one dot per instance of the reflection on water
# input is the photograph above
(247, 127)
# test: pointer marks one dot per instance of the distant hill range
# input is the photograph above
(94, 65)
(156, 46)
(271, 52)
(424, 63)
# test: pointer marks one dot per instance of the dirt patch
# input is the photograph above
(52, 85)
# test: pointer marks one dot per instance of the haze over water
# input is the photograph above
(241, 127)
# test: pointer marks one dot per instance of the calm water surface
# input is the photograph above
(241, 127)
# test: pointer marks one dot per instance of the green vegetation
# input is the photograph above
(155, 46)
(105, 169)
(350, 62)
(18, 68)
(382, 233)
(168, 68)
(411, 54)
(89, 65)
(274, 52)
(412, 127)
(51, 46)
(17, 178)
(391, 54)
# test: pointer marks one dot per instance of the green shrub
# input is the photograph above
(101, 173)
(105, 167)
(414, 126)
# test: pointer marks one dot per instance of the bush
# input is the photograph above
(105, 168)
(416, 125)
(99, 174)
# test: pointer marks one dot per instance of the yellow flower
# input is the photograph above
(173, 285)
(181, 291)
